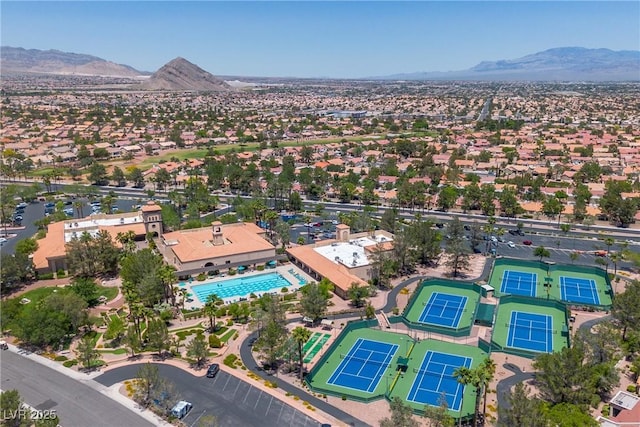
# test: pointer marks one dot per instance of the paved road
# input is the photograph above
(235, 403)
(77, 404)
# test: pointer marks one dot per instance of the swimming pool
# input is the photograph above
(243, 286)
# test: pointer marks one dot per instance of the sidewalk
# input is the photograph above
(87, 379)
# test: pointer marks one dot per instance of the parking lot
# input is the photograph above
(234, 403)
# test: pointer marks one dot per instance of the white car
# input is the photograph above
(511, 244)
(3, 240)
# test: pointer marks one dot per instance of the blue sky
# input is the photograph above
(318, 38)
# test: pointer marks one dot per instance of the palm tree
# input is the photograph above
(609, 241)
(616, 257)
(489, 368)
(301, 335)
(464, 376)
(167, 274)
(210, 309)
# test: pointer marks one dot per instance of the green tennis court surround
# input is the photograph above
(573, 284)
(366, 364)
(443, 306)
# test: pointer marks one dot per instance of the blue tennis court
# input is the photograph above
(530, 331)
(435, 377)
(519, 283)
(363, 367)
(443, 310)
(574, 289)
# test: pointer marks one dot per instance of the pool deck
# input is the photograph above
(283, 270)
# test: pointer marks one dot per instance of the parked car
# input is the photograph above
(600, 253)
(22, 205)
(213, 370)
(527, 242)
(181, 409)
(511, 244)
(3, 240)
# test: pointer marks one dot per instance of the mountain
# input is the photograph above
(559, 64)
(180, 74)
(19, 60)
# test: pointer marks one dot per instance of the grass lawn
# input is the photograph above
(109, 292)
(95, 336)
(189, 153)
(37, 295)
(226, 337)
(188, 328)
(116, 351)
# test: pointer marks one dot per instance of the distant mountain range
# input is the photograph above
(19, 60)
(559, 64)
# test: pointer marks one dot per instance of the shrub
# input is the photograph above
(45, 276)
(214, 341)
(70, 363)
(230, 322)
(253, 296)
(60, 358)
(230, 360)
(260, 268)
(344, 397)
(631, 388)
(232, 272)
(60, 274)
(606, 409)
(201, 277)
(181, 335)
(396, 310)
(284, 290)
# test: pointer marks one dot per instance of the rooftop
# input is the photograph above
(351, 254)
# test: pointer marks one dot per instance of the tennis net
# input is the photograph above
(364, 361)
(451, 306)
(513, 325)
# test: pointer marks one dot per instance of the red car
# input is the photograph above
(526, 242)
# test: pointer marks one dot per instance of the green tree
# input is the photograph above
(115, 329)
(118, 177)
(98, 174)
(541, 252)
(521, 410)
(198, 350)
(132, 340)
(438, 416)
(568, 415)
(313, 302)
(357, 294)
(301, 335)
(447, 197)
(86, 288)
(86, 353)
(11, 415)
(158, 335)
(273, 332)
(626, 309)
(210, 309)
(146, 384)
(401, 415)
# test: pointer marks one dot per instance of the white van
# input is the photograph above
(181, 409)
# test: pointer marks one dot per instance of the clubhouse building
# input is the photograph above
(218, 247)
